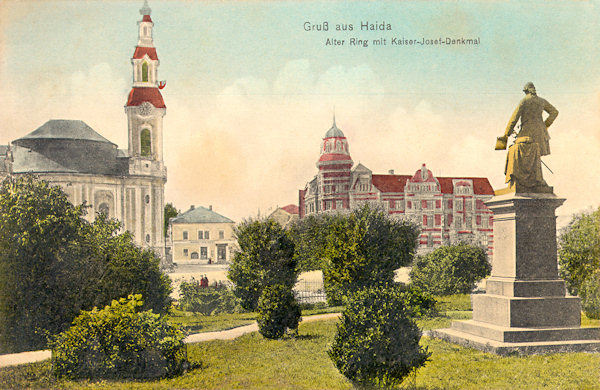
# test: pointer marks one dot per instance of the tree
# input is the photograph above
(278, 311)
(377, 341)
(310, 239)
(364, 248)
(170, 212)
(53, 264)
(265, 257)
(452, 269)
(579, 250)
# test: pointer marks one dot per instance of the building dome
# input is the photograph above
(334, 132)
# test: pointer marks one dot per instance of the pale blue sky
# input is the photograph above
(248, 89)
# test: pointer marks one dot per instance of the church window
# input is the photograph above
(328, 147)
(145, 71)
(185, 235)
(145, 143)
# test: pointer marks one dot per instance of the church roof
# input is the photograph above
(141, 51)
(27, 160)
(138, 95)
(65, 129)
(200, 215)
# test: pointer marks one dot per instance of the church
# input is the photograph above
(447, 209)
(126, 184)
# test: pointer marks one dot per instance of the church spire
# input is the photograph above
(145, 10)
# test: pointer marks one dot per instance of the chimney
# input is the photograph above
(210, 207)
(191, 207)
(391, 172)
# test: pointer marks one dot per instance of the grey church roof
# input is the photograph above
(67, 146)
(65, 129)
(200, 215)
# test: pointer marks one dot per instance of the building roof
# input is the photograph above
(390, 183)
(334, 132)
(481, 185)
(335, 157)
(200, 215)
(291, 208)
(138, 95)
(28, 160)
(65, 129)
(141, 51)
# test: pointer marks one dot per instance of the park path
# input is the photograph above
(15, 359)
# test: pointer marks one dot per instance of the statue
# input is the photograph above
(523, 168)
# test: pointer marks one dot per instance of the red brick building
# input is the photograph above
(448, 209)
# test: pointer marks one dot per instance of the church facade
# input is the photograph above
(126, 184)
(447, 209)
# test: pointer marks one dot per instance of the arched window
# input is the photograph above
(145, 143)
(145, 71)
(194, 255)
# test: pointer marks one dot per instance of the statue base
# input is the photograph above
(525, 309)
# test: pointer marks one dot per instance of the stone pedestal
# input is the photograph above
(525, 308)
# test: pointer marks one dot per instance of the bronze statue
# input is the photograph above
(523, 168)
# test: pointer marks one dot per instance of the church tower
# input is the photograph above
(145, 106)
(145, 110)
(334, 171)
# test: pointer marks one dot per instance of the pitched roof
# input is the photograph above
(138, 95)
(200, 215)
(140, 51)
(291, 208)
(481, 185)
(65, 129)
(390, 183)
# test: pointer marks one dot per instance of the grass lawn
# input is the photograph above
(252, 362)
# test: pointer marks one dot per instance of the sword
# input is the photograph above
(547, 167)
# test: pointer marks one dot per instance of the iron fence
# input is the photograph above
(310, 292)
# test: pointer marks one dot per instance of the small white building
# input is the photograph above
(201, 235)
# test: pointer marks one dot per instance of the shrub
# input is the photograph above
(207, 300)
(453, 269)
(265, 257)
(364, 248)
(377, 341)
(119, 342)
(278, 311)
(590, 296)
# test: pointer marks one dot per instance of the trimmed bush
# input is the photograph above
(590, 296)
(207, 300)
(265, 257)
(377, 341)
(453, 269)
(119, 342)
(278, 312)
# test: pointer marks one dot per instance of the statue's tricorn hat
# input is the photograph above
(529, 87)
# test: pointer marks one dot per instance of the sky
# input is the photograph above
(250, 93)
